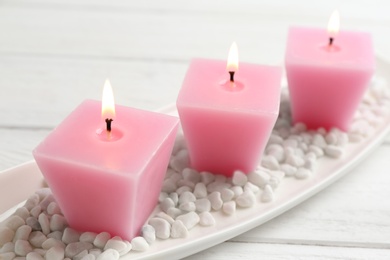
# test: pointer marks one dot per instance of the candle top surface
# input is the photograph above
(310, 46)
(82, 138)
(255, 88)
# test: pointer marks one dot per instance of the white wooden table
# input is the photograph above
(56, 53)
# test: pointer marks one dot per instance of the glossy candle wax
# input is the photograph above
(226, 126)
(327, 84)
(107, 183)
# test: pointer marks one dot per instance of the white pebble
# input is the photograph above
(187, 206)
(251, 187)
(229, 207)
(32, 201)
(36, 211)
(161, 226)
(139, 244)
(55, 234)
(88, 237)
(331, 138)
(95, 251)
(34, 256)
(44, 222)
(89, 257)
(319, 140)
(52, 242)
(22, 233)
(174, 197)
(237, 190)
(179, 230)
(183, 189)
(13, 222)
(101, 239)
(302, 173)
(180, 161)
(75, 248)
(275, 139)
(215, 200)
(239, 178)
(165, 216)
(220, 178)
(189, 220)
(298, 128)
(80, 255)
(22, 247)
(148, 233)
(7, 247)
(206, 219)
(202, 205)
(187, 183)
(109, 254)
(174, 212)
(40, 251)
(37, 238)
(200, 190)
(57, 222)
(333, 151)
(268, 194)
(55, 253)
(22, 212)
(310, 164)
(191, 175)
(115, 243)
(319, 152)
(291, 142)
(227, 195)
(295, 160)
(259, 178)
(276, 151)
(162, 196)
(46, 201)
(274, 182)
(33, 223)
(128, 248)
(167, 204)
(169, 186)
(246, 200)
(70, 235)
(7, 256)
(6, 235)
(186, 197)
(270, 162)
(217, 186)
(207, 177)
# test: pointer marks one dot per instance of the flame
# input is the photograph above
(108, 103)
(334, 24)
(232, 63)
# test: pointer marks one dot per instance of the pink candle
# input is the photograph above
(327, 75)
(227, 123)
(107, 180)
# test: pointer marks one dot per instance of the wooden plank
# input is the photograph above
(249, 251)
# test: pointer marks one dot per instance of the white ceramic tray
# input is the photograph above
(18, 183)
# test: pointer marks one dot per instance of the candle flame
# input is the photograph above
(334, 24)
(232, 64)
(108, 103)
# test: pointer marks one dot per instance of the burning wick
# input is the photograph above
(231, 76)
(330, 40)
(108, 124)
(232, 63)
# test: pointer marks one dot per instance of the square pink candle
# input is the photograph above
(226, 124)
(107, 184)
(327, 83)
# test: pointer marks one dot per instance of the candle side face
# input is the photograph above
(104, 185)
(207, 84)
(227, 130)
(325, 86)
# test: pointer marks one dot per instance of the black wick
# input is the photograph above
(108, 124)
(231, 76)
(330, 41)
